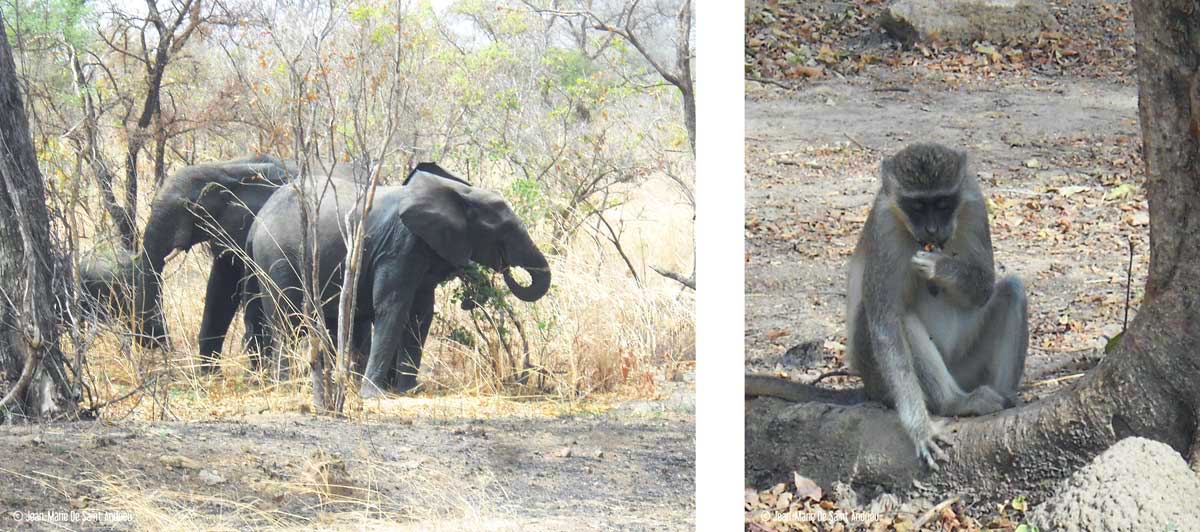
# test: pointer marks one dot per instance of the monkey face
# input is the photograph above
(930, 218)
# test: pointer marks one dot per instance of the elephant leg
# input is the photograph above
(252, 321)
(254, 315)
(408, 365)
(394, 288)
(220, 304)
(361, 347)
(289, 325)
(266, 336)
(282, 303)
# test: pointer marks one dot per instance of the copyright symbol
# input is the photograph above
(16, 516)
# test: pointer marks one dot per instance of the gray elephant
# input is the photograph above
(416, 236)
(106, 284)
(214, 203)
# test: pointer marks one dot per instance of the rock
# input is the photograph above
(966, 21)
(844, 494)
(885, 503)
(97, 441)
(210, 478)
(177, 461)
(1137, 484)
(565, 452)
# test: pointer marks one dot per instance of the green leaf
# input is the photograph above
(1072, 190)
(1019, 504)
(1122, 191)
(1113, 342)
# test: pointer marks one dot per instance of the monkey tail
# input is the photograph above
(798, 392)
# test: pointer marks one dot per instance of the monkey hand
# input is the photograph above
(925, 262)
(929, 442)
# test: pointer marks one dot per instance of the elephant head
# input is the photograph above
(198, 204)
(462, 223)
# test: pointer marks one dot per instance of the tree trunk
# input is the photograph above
(683, 65)
(140, 132)
(33, 381)
(131, 173)
(92, 153)
(1146, 387)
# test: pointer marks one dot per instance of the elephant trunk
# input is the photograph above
(148, 316)
(529, 257)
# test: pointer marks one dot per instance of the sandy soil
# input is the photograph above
(629, 468)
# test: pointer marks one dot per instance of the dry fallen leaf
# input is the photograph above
(776, 334)
(806, 487)
(799, 71)
(752, 499)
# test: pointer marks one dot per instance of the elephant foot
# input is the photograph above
(251, 346)
(153, 342)
(209, 365)
(404, 384)
(368, 390)
(256, 364)
(281, 370)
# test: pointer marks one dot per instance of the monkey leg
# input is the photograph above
(943, 394)
(996, 358)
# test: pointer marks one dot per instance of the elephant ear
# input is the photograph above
(434, 209)
(432, 169)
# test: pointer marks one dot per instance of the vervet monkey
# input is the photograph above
(930, 330)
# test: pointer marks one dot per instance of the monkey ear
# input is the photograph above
(887, 176)
(962, 160)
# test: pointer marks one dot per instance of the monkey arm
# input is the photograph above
(967, 272)
(904, 389)
(894, 366)
(964, 279)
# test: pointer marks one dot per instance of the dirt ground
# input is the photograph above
(411, 464)
(1055, 156)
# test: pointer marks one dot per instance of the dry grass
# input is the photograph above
(332, 493)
